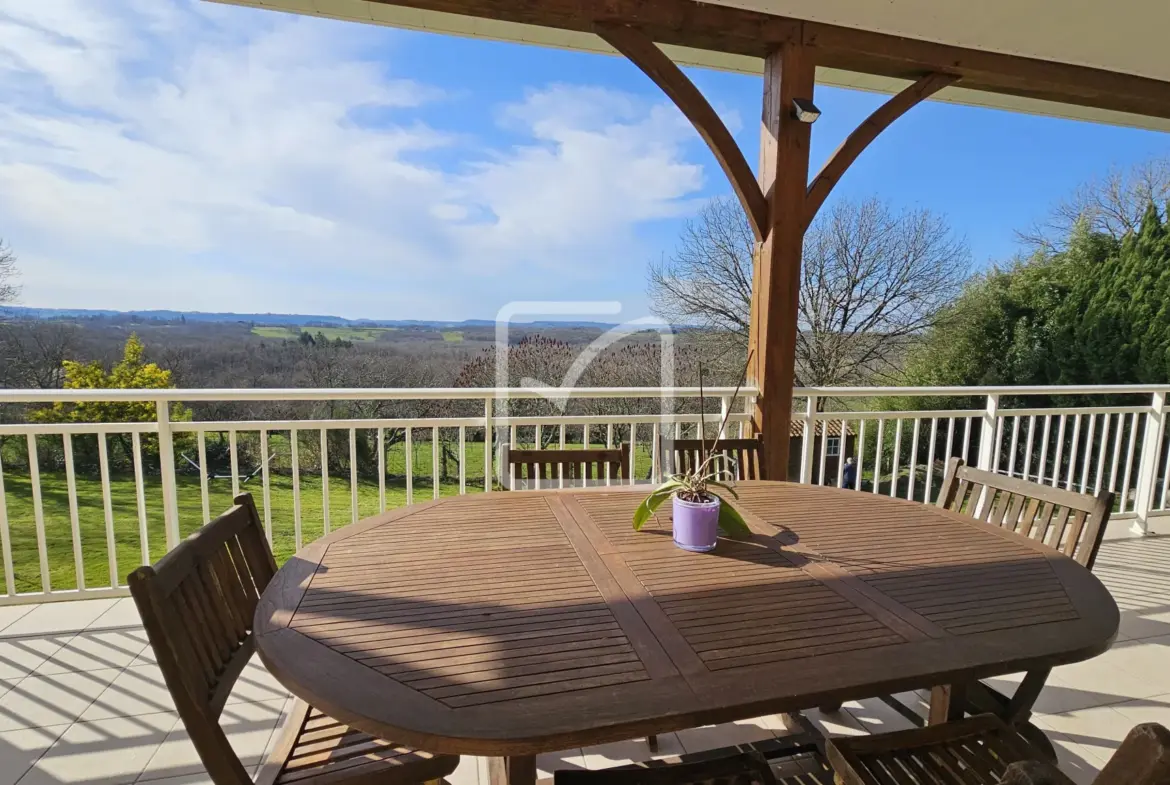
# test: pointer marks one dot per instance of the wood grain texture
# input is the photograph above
(864, 134)
(642, 52)
(513, 624)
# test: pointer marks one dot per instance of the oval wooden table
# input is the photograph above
(508, 624)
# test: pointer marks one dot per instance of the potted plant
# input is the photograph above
(699, 510)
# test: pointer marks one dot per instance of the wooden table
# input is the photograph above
(508, 624)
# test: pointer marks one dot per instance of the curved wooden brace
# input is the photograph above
(642, 51)
(865, 133)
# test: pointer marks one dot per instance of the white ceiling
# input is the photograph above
(1119, 35)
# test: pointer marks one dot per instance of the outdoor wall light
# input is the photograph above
(805, 110)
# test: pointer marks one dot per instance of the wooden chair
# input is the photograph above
(1072, 523)
(532, 469)
(1069, 522)
(197, 606)
(984, 750)
(790, 760)
(745, 457)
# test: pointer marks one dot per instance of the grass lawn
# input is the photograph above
(357, 334)
(125, 530)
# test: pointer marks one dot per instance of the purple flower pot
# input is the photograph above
(696, 524)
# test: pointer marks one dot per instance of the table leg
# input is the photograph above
(947, 703)
(514, 770)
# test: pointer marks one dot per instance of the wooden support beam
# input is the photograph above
(865, 133)
(642, 52)
(754, 34)
(789, 72)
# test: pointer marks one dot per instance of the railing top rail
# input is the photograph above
(362, 393)
(1067, 389)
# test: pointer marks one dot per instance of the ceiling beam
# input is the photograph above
(750, 33)
(643, 52)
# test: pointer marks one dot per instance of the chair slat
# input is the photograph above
(575, 466)
(1039, 512)
(745, 454)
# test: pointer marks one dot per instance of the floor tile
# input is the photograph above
(834, 723)
(19, 657)
(551, 762)
(619, 753)
(38, 701)
(875, 716)
(123, 614)
(466, 773)
(104, 752)
(728, 734)
(91, 651)
(257, 684)
(20, 749)
(1074, 760)
(58, 617)
(1098, 730)
(1156, 709)
(9, 614)
(137, 690)
(248, 727)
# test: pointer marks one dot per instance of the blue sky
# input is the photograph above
(179, 154)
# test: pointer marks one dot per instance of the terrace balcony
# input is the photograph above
(81, 700)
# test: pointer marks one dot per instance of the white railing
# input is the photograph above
(81, 504)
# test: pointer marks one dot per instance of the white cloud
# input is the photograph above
(173, 154)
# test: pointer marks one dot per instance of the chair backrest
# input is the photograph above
(533, 469)
(745, 457)
(197, 605)
(1072, 523)
(1142, 759)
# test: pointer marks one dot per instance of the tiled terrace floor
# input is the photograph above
(81, 700)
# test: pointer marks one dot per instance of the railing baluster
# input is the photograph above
(74, 517)
(633, 453)
(34, 481)
(140, 494)
(930, 460)
(1088, 452)
(204, 491)
(1133, 423)
(877, 458)
(1044, 449)
(435, 462)
(841, 457)
(353, 476)
(950, 439)
(998, 445)
(1105, 419)
(860, 455)
(108, 509)
(382, 470)
(913, 457)
(1165, 479)
(234, 453)
(409, 450)
(897, 457)
(1072, 456)
(1117, 439)
(609, 445)
(1028, 446)
(655, 468)
(488, 427)
(166, 463)
(967, 440)
(1015, 443)
(1057, 466)
(5, 541)
(266, 480)
(294, 443)
(462, 460)
(324, 451)
(824, 448)
(1153, 429)
(561, 466)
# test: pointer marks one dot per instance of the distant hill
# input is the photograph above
(286, 319)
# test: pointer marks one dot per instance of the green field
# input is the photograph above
(125, 532)
(356, 334)
(453, 336)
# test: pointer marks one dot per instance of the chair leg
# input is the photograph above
(1037, 739)
(829, 708)
(652, 741)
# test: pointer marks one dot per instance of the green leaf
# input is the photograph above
(732, 522)
(653, 502)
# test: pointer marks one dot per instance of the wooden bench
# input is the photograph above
(536, 469)
(743, 457)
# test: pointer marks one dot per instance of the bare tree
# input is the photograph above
(1113, 205)
(32, 353)
(9, 291)
(872, 278)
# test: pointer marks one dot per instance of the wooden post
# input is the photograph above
(789, 73)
